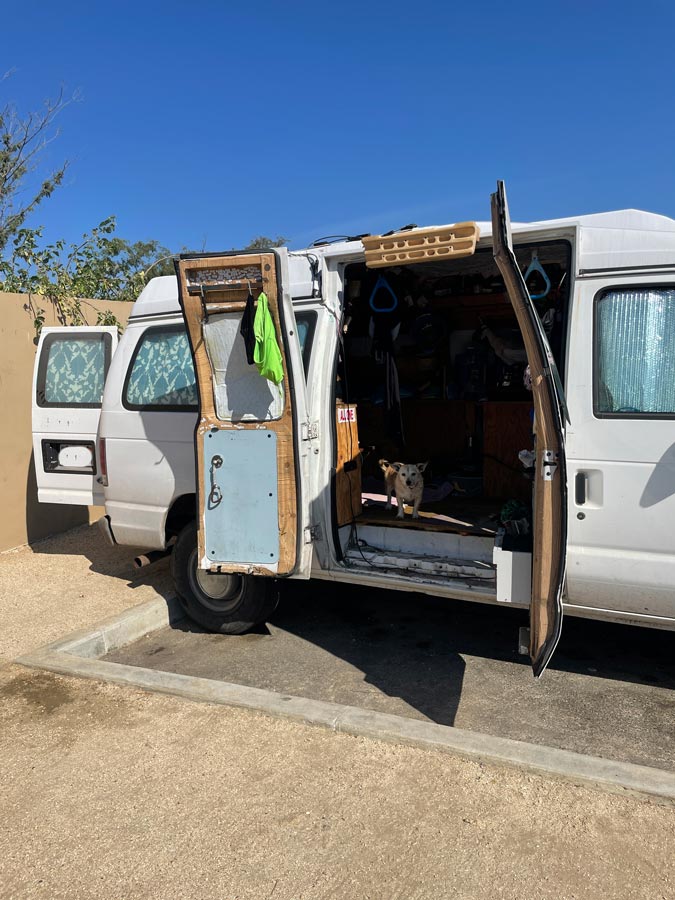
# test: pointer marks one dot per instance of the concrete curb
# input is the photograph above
(78, 654)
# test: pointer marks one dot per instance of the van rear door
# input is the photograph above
(252, 461)
(70, 371)
(550, 484)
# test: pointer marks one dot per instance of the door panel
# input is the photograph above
(550, 492)
(68, 380)
(253, 533)
(247, 429)
(621, 388)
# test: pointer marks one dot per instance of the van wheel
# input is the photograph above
(225, 604)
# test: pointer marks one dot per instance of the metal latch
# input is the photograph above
(309, 431)
(523, 641)
(549, 465)
(313, 533)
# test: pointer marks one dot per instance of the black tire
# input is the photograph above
(236, 603)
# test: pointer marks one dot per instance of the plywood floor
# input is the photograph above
(458, 515)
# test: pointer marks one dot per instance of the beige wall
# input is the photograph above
(22, 518)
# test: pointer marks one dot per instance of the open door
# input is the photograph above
(252, 499)
(68, 380)
(550, 484)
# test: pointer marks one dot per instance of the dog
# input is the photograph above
(406, 481)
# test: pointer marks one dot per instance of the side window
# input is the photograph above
(635, 352)
(72, 370)
(161, 374)
(306, 323)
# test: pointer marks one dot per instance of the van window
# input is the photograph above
(161, 375)
(635, 352)
(306, 323)
(72, 370)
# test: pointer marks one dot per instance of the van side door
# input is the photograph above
(252, 463)
(550, 484)
(68, 379)
(621, 448)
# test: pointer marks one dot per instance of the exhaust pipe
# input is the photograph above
(146, 559)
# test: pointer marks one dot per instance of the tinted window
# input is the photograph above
(72, 370)
(635, 352)
(161, 375)
(306, 322)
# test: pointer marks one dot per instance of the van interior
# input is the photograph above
(433, 370)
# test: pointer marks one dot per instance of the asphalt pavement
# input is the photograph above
(610, 691)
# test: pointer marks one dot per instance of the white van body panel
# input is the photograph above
(150, 453)
(621, 550)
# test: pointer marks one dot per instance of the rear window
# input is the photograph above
(161, 375)
(240, 394)
(72, 370)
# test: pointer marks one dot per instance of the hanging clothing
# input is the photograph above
(247, 330)
(267, 355)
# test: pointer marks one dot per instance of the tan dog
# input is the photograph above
(406, 481)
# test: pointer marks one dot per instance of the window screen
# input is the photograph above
(635, 352)
(72, 370)
(161, 375)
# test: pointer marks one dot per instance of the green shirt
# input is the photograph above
(267, 355)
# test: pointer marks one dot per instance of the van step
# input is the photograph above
(423, 565)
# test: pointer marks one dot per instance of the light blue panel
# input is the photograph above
(242, 515)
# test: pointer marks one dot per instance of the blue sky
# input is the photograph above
(207, 123)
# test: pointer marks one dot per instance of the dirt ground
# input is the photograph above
(114, 793)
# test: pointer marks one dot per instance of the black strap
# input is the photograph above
(247, 330)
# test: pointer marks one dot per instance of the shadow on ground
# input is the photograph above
(114, 561)
(609, 691)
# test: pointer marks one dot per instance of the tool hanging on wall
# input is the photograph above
(385, 324)
(536, 266)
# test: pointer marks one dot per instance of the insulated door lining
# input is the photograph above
(240, 393)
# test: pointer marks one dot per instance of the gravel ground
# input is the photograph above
(68, 582)
(114, 793)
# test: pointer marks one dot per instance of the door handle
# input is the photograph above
(580, 482)
(216, 494)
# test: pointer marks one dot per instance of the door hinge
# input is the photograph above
(549, 465)
(313, 533)
(309, 431)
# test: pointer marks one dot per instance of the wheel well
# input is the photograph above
(183, 510)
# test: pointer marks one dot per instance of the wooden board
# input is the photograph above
(347, 483)
(258, 271)
(507, 429)
(418, 245)
(456, 515)
(433, 428)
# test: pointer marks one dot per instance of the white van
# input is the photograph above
(439, 345)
